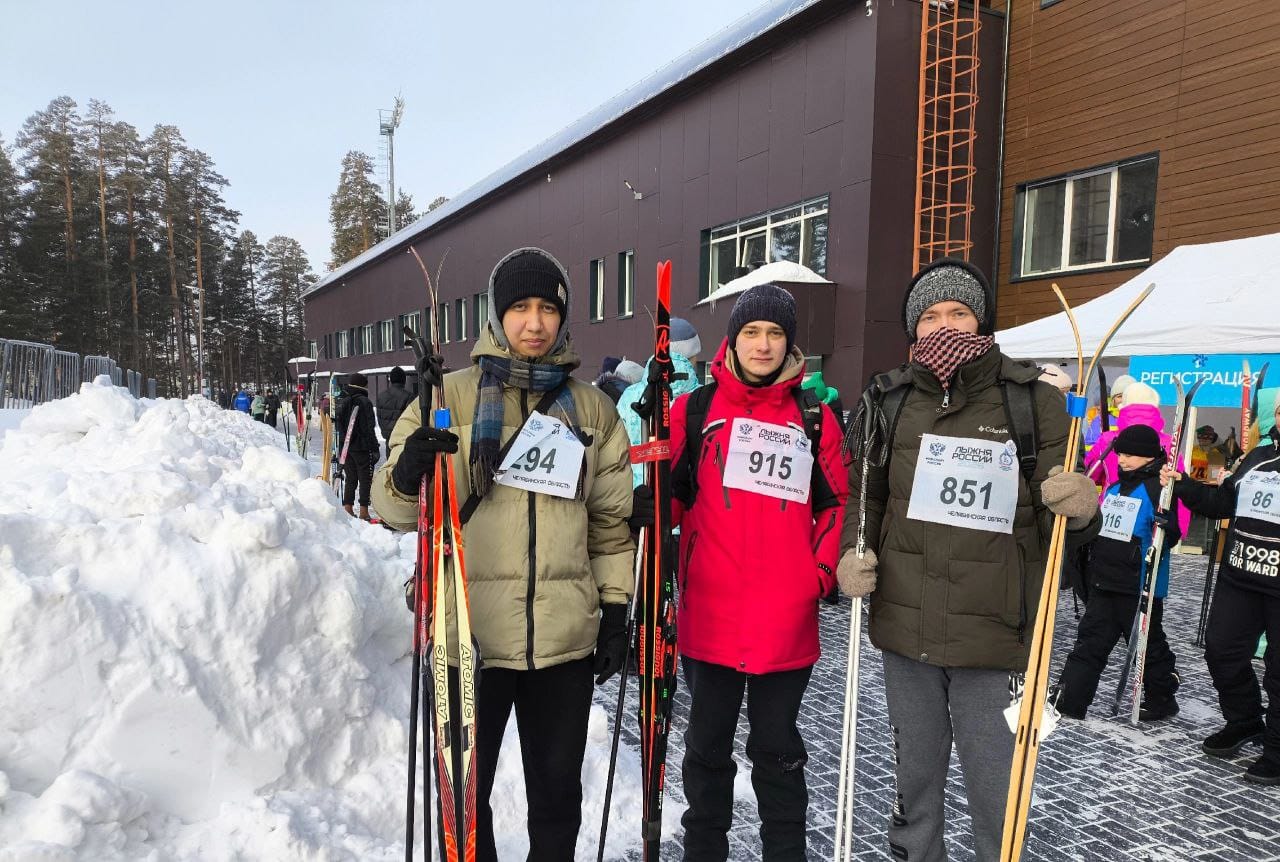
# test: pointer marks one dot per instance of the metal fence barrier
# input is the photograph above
(32, 374)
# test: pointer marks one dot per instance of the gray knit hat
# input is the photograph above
(764, 302)
(942, 281)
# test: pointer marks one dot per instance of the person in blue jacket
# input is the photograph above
(1115, 571)
(242, 401)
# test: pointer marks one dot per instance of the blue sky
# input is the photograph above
(277, 91)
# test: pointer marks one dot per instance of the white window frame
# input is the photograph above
(1064, 256)
(460, 310)
(822, 208)
(596, 284)
(387, 335)
(627, 275)
(441, 320)
(366, 339)
(344, 344)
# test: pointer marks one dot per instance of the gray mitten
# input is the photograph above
(857, 576)
(1072, 495)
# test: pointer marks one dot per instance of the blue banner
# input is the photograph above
(1223, 373)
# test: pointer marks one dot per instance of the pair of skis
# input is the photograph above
(1131, 674)
(440, 593)
(652, 616)
(1031, 709)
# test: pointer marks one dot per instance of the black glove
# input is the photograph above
(642, 508)
(612, 642)
(418, 457)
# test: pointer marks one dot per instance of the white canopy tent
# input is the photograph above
(1218, 297)
(779, 270)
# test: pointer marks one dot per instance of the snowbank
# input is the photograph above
(201, 656)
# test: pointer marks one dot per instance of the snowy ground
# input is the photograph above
(203, 658)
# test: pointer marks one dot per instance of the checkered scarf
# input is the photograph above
(486, 430)
(944, 350)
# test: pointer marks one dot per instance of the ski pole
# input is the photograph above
(622, 696)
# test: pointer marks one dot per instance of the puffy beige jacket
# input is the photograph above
(538, 567)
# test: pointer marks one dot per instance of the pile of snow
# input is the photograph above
(779, 270)
(203, 657)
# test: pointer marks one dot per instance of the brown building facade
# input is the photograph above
(1132, 127)
(796, 142)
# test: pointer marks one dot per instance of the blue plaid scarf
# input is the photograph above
(486, 430)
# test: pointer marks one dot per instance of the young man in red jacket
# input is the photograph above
(759, 543)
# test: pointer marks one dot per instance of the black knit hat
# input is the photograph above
(948, 279)
(764, 302)
(358, 379)
(1140, 440)
(396, 375)
(529, 272)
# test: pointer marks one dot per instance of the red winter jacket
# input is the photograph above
(749, 575)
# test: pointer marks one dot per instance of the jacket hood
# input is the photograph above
(487, 345)
(1140, 414)
(726, 379)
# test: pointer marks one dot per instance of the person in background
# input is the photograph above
(1094, 430)
(685, 347)
(361, 448)
(258, 408)
(242, 401)
(391, 403)
(273, 408)
(828, 395)
(1116, 570)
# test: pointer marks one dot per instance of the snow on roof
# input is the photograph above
(297, 360)
(746, 29)
(779, 270)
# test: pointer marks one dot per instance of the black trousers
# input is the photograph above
(1108, 617)
(774, 747)
(357, 470)
(1236, 621)
(552, 706)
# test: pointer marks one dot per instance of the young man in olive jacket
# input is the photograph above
(549, 573)
(957, 538)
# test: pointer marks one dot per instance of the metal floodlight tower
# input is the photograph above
(388, 122)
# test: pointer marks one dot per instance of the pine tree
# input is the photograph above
(405, 214)
(286, 273)
(16, 313)
(437, 203)
(355, 209)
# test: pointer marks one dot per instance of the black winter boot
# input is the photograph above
(1157, 709)
(1232, 738)
(1264, 770)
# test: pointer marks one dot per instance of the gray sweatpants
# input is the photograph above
(930, 706)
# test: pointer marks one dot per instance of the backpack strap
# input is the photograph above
(684, 472)
(1020, 412)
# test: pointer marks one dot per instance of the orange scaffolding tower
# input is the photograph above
(947, 118)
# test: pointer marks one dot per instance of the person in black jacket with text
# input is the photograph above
(1246, 602)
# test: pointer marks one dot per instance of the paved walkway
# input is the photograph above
(1105, 791)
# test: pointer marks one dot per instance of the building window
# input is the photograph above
(797, 233)
(344, 344)
(386, 336)
(596, 271)
(626, 283)
(366, 339)
(481, 305)
(311, 350)
(413, 321)
(442, 323)
(460, 312)
(1096, 218)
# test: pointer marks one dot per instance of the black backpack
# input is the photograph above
(890, 390)
(684, 474)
